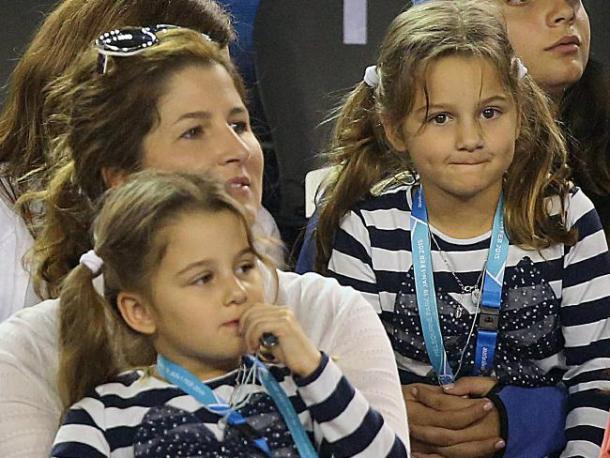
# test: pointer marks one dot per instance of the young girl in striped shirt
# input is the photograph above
(489, 269)
(183, 299)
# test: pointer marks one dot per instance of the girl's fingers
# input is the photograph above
(256, 329)
(278, 322)
(293, 349)
(259, 311)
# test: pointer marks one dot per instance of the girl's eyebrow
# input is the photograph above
(205, 262)
(430, 107)
(494, 98)
(196, 264)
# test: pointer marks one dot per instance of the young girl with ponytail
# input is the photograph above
(190, 305)
(489, 269)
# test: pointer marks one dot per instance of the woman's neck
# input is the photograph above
(462, 218)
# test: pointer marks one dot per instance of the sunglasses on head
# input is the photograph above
(128, 41)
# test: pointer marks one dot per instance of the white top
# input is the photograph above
(265, 228)
(16, 287)
(337, 319)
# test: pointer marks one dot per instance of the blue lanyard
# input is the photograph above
(491, 301)
(286, 408)
(426, 292)
(190, 384)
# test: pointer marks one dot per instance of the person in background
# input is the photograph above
(553, 38)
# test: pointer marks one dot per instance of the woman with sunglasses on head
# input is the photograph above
(172, 101)
(61, 38)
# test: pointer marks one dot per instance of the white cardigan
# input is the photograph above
(337, 319)
(16, 289)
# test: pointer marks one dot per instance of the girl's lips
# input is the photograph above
(469, 162)
(231, 323)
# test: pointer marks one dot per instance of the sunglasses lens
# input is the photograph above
(126, 40)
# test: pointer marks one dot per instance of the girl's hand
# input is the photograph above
(294, 349)
(472, 387)
(452, 426)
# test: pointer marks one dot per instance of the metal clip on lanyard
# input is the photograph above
(426, 291)
(190, 384)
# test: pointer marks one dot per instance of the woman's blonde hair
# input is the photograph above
(99, 122)
(95, 342)
(63, 36)
(415, 39)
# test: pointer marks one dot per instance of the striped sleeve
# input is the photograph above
(82, 432)
(585, 317)
(351, 262)
(348, 425)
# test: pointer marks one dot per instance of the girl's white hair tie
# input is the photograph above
(92, 262)
(521, 69)
(371, 77)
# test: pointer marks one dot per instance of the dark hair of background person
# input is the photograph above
(585, 115)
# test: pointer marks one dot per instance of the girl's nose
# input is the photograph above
(236, 292)
(469, 136)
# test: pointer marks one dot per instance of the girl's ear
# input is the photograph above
(394, 137)
(114, 176)
(137, 312)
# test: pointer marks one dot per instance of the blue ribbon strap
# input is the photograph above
(426, 291)
(492, 294)
(286, 408)
(191, 384)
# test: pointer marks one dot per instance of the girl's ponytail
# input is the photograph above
(88, 357)
(361, 157)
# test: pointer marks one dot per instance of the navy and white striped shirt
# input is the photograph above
(139, 415)
(553, 323)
